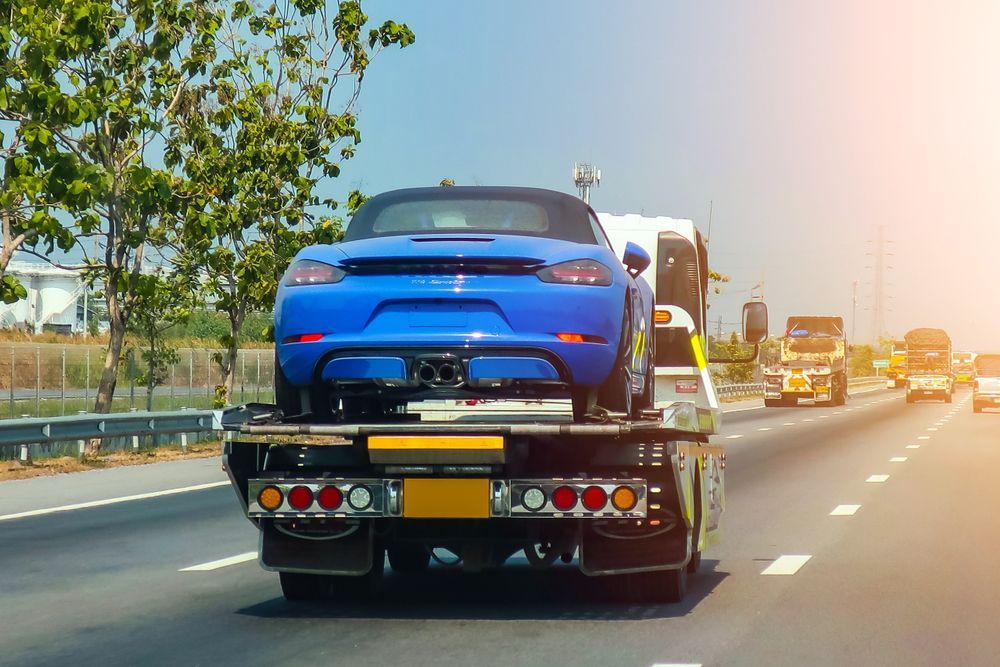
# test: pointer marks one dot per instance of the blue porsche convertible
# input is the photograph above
(464, 292)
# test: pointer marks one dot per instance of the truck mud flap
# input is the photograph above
(349, 555)
(601, 554)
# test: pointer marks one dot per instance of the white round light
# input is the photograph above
(533, 499)
(359, 498)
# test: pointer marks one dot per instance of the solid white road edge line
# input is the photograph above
(785, 565)
(845, 510)
(877, 479)
(111, 501)
(222, 562)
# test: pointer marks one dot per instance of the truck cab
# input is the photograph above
(812, 365)
(896, 375)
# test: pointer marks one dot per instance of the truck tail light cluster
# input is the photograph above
(577, 498)
(542, 498)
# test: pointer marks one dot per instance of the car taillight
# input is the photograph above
(309, 272)
(577, 272)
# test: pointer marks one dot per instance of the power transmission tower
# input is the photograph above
(586, 176)
(879, 297)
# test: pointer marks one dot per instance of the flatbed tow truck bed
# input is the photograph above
(636, 499)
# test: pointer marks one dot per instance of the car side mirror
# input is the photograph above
(636, 259)
(755, 322)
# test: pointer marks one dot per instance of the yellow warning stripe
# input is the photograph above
(699, 352)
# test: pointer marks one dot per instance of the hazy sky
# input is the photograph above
(807, 123)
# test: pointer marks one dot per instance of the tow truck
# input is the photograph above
(637, 499)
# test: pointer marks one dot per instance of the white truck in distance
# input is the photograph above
(813, 363)
(986, 386)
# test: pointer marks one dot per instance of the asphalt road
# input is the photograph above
(904, 572)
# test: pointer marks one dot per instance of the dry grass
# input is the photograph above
(54, 466)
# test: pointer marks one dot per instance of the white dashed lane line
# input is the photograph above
(764, 428)
(786, 565)
(222, 562)
(734, 436)
(913, 446)
(845, 510)
(877, 479)
(111, 501)
(897, 459)
(789, 424)
(923, 437)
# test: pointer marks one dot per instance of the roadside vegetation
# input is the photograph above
(182, 152)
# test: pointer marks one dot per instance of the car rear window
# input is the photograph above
(473, 210)
(463, 215)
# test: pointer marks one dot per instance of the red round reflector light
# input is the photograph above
(594, 498)
(300, 497)
(564, 498)
(330, 498)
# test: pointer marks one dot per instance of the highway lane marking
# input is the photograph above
(676, 664)
(838, 412)
(733, 437)
(897, 459)
(931, 429)
(845, 510)
(111, 501)
(786, 565)
(764, 428)
(789, 424)
(808, 420)
(913, 446)
(222, 562)
(877, 479)
(923, 437)
(824, 416)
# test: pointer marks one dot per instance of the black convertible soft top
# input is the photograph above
(478, 210)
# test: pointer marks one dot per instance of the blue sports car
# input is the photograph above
(464, 292)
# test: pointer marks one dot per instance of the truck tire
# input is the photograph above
(976, 407)
(408, 558)
(947, 397)
(668, 586)
(909, 398)
(307, 587)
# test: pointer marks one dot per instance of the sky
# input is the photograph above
(807, 125)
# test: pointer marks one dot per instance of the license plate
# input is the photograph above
(446, 498)
(796, 382)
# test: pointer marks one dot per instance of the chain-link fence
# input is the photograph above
(45, 380)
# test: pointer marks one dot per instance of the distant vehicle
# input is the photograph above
(896, 375)
(464, 293)
(813, 363)
(963, 368)
(986, 388)
(928, 365)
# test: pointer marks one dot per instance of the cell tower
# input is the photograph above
(586, 176)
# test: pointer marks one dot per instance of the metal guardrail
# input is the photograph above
(752, 389)
(40, 431)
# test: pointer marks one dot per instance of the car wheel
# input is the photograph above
(647, 400)
(286, 395)
(615, 395)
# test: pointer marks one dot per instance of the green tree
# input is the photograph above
(732, 373)
(161, 303)
(275, 118)
(860, 362)
(98, 81)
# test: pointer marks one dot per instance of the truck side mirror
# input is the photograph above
(755, 322)
(636, 258)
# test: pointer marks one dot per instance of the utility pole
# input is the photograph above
(586, 176)
(854, 311)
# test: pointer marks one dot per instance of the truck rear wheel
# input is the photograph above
(308, 587)
(659, 586)
(947, 397)
(408, 558)
(976, 407)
